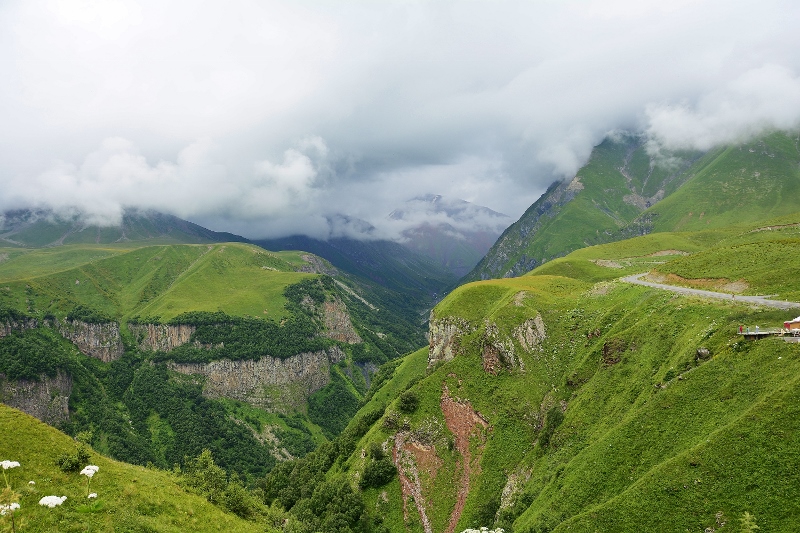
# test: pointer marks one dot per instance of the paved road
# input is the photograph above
(760, 300)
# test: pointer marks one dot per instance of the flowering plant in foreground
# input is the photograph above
(89, 471)
(7, 465)
(8, 510)
(52, 501)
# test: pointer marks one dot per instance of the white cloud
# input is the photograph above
(268, 117)
(761, 99)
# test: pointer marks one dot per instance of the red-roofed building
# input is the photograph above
(792, 324)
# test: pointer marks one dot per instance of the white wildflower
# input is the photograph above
(92, 495)
(8, 508)
(52, 501)
(31, 482)
(9, 464)
(90, 470)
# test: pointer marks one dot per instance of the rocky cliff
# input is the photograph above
(6, 328)
(281, 385)
(47, 398)
(101, 341)
(444, 338)
(337, 323)
(498, 349)
(161, 337)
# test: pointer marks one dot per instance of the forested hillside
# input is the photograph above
(163, 351)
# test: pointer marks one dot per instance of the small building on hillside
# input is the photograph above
(792, 325)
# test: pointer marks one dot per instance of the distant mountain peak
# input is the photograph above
(454, 208)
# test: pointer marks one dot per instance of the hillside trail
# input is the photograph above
(759, 300)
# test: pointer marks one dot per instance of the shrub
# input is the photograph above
(73, 462)
(408, 402)
(378, 473)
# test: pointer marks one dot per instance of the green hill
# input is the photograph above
(36, 228)
(566, 400)
(322, 335)
(622, 192)
(129, 498)
(162, 281)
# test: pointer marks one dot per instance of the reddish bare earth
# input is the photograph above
(464, 423)
(412, 458)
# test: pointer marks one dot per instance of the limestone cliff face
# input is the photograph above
(6, 328)
(280, 385)
(161, 337)
(444, 338)
(47, 399)
(337, 323)
(498, 349)
(101, 341)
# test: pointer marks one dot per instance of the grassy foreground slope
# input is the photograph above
(130, 498)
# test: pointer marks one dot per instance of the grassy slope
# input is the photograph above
(762, 255)
(752, 182)
(160, 281)
(658, 441)
(733, 186)
(130, 498)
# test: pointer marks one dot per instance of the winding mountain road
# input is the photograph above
(760, 300)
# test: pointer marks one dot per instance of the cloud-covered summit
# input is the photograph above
(268, 118)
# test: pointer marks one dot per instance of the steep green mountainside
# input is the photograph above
(252, 354)
(567, 400)
(746, 183)
(129, 498)
(611, 190)
(35, 228)
(622, 191)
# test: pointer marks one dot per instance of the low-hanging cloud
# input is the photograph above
(761, 99)
(276, 117)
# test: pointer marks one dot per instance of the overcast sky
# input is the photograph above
(263, 117)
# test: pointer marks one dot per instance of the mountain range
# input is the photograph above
(553, 394)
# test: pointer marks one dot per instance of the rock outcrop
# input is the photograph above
(6, 328)
(46, 399)
(531, 333)
(337, 323)
(101, 341)
(498, 351)
(444, 338)
(161, 337)
(281, 385)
